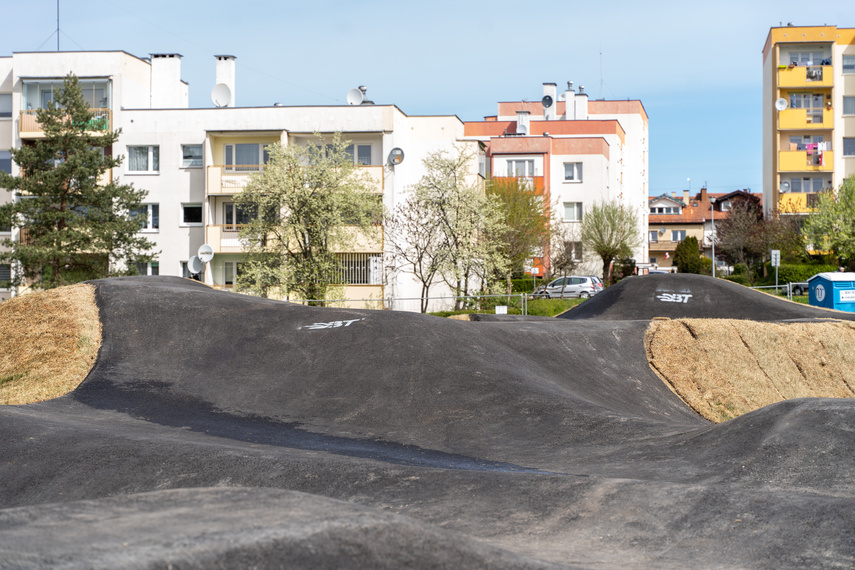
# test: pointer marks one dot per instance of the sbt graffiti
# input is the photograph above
(674, 297)
(330, 325)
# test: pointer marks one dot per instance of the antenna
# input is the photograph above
(602, 97)
(781, 104)
(355, 97)
(57, 25)
(546, 101)
(221, 95)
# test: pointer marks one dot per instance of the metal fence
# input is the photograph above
(413, 304)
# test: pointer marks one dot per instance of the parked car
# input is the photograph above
(583, 286)
(800, 288)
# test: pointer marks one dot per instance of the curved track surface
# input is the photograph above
(220, 427)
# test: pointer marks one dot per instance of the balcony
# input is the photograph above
(226, 239)
(29, 128)
(802, 161)
(805, 76)
(232, 179)
(806, 119)
(797, 202)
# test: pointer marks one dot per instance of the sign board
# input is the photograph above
(847, 295)
(776, 257)
(501, 309)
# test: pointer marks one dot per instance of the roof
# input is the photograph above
(833, 276)
(697, 209)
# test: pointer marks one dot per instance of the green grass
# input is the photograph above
(536, 307)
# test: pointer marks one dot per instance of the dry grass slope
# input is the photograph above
(49, 344)
(725, 368)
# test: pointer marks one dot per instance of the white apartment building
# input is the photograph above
(193, 161)
(577, 152)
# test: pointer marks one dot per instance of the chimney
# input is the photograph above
(582, 104)
(523, 118)
(167, 89)
(686, 196)
(226, 74)
(550, 90)
(570, 102)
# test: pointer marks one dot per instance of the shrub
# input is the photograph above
(741, 278)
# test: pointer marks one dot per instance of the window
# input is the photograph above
(653, 236)
(572, 211)
(5, 275)
(805, 184)
(245, 157)
(811, 102)
(573, 249)
(572, 172)
(520, 168)
(5, 161)
(849, 64)
(152, 268)
(666, 210)
(144, 159)
(235, 216)
(360, 268)
(652, 260)
(678, 235)
(802, 142)
(5, 105)
(363, 154)
(849, 105)
(848, 146)
(231, 271)
(191, 214)
(809, 58)
(151, 213)
(191, 155)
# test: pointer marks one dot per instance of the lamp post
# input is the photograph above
(712, 214)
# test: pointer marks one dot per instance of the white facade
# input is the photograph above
(180, 156)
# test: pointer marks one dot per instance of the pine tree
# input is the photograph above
(73, 227)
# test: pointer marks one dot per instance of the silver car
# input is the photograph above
(571, 286)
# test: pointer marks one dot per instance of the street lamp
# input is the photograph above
(712, 213)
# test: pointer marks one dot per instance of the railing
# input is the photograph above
(28, 126)
(811, 119)
(804, 75)
(802, 160)
(224, 238)
(232, 179)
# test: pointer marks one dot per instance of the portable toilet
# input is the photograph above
(833, 291)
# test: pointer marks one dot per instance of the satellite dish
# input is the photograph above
(396, 156)
(781, 104)
(547, 101)
(206, 253)
(355, 97)
(221, 95)
(195, 265)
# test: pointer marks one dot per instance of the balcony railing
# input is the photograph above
(232, 179)
(804, 76)
(806, 119)
(797, 202)
(28, 125)
(805, 161)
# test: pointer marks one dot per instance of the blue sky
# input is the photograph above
(696, 67)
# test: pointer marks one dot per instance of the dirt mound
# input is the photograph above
(679, 296)
(49, 343)
(726, 368)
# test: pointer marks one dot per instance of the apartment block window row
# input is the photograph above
(572, 211)
(798, 184)
(572, 171)
(666, 210)
(521, 168)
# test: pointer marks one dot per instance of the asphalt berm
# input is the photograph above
(221, 430)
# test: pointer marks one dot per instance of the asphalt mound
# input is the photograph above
(679, 295)
(508, 443)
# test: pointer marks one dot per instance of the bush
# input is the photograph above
(741, 278)
(525, 284)
(798, 272)
(706, 266)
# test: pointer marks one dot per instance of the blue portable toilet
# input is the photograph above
(832, 291)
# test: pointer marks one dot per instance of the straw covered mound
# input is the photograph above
(49, 344)
(724, 368)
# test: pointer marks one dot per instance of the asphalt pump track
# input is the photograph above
(222, 430)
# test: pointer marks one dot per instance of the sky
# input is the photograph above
(695, 66)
